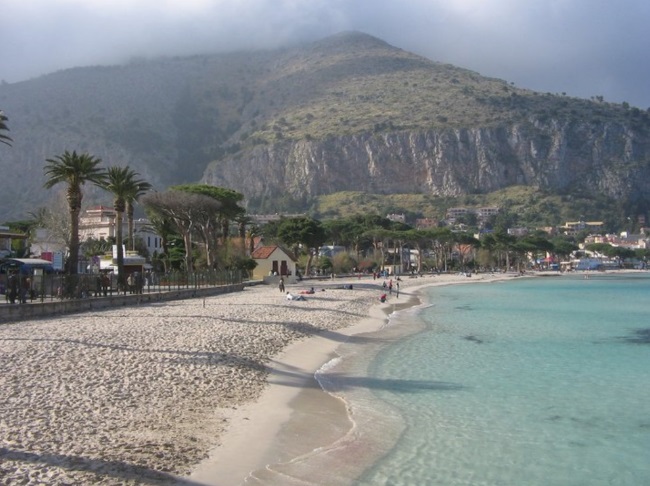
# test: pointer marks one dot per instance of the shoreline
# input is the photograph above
(284, 407)
(290, 378)
(135, 394)
(150, 393)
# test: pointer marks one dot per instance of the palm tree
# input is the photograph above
(139, 189)
(74, 170)
(163, 227)
(3, 127)
(121, 182)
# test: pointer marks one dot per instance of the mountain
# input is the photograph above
(347, 113)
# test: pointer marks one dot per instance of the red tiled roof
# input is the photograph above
(263, 252)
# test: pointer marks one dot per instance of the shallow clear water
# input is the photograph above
(535, 381)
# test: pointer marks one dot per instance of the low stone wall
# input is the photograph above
(35, 310)
(275, 280)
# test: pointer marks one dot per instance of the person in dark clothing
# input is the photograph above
(25, 288)
(12, 288)
(98, 285)
(106, 282)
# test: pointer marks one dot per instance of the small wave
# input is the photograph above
(332, 363)
(412, 310)
(324, 376)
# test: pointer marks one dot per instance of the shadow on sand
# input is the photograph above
(289, 376)
(121, 471)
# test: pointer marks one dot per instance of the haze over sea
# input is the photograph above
(541, 381)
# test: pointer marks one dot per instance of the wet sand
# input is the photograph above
(270, 440)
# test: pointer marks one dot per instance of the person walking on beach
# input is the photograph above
(281, 284)
(397, 289)
(390, 287)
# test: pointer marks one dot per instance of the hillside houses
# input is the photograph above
(482, 214)
(624, 240)
(426, 223)
(448, 243)
(571, 228)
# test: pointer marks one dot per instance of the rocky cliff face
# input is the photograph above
(608, 158)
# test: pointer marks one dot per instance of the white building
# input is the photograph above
(573, 227)
(330, 251)
(482, 213)
(99, 223)
(486, 212)
(274, 261)
(396, 218)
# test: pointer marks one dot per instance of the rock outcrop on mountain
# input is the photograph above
(349, 112)
(559, 157)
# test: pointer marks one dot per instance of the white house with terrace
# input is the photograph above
(98, 222)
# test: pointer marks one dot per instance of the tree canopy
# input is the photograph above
(187, 212)
(303, 231)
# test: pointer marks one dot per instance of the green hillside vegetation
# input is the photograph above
(522, 206)
(374, 87)
(346, 84)
(169, 118)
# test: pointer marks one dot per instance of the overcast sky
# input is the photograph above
(581, 47)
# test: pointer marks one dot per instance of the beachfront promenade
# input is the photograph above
(34, 309)
(44, 297)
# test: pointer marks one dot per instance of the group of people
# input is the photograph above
(18, 288)
(102, 284)
(291, 296)
(390, 287)
(135, 283)
(301, 295)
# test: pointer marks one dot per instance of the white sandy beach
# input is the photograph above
(176, 392)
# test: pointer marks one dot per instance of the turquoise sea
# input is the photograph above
(529, 381)
(540, 381)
